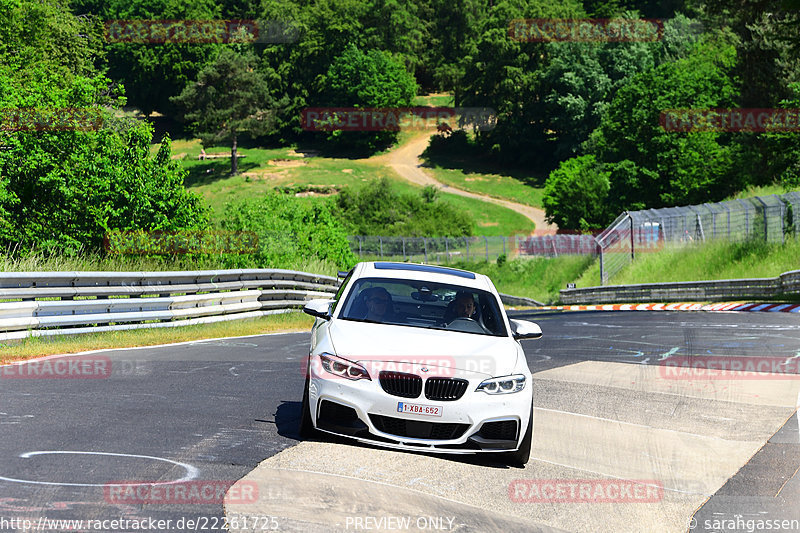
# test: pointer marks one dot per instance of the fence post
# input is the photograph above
(486, 240)
(404, 248)
(466, 240)
(446, 251)
(425, 242)
(766, 220)
(633, 245)
(602, 269)
(504, 245)
(380, 240)
(746, 218)
(359, 246)
(783, 220)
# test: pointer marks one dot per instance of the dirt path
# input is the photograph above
(407, 163)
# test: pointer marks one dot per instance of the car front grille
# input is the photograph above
(400, 384)
(417, 429)
(445, 389)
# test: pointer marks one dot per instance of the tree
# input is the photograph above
(653, 167)
(228, 100)
(372, 79)
(152, 72)
(61, 188)
(575, 194)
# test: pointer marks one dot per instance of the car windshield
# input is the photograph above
(424, 305)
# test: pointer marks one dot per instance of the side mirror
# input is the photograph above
(523, 329)
(319, 308)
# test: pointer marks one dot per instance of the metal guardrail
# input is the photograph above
(65, 303)
(59, 303)
(522, 301)
(787, 284)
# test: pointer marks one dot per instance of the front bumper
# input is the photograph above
(476, 422)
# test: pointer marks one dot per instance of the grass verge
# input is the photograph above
(41, 346)
(710, 261)
(539, 278)
(43, 262)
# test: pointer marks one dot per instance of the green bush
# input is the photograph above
(377, 209)
(289, 232)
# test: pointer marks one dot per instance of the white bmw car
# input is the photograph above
(419, 357)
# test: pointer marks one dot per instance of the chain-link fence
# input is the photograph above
(443, 250)
(768, 218)
(439, 250)
(556, 245)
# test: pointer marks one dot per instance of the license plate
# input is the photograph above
(417, 409)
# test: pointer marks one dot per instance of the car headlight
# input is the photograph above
(503, 385)
(343, 368)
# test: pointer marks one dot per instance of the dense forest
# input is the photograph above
(586, 114)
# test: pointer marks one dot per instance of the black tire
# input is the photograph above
(306, 429)
(520, 457)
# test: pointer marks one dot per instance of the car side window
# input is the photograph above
(339, 293)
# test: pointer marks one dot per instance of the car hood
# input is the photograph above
(404, 347)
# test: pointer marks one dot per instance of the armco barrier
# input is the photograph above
(58, 303)
(787, 284)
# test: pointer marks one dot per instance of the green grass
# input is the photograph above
(496, 185)
(763, 190)
(212, 180)
(435, 100)
(711, 261)
(539, 278)
(39, 262)
(40, 346)
(476, 173)
(490, 219)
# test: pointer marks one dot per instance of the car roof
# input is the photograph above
(417, 271)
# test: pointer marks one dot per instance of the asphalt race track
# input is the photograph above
(686, 452)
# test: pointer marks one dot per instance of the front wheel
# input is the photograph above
(306, 429)
(520, 457)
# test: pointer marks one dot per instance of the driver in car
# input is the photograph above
(379, 304)
(464, 305)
